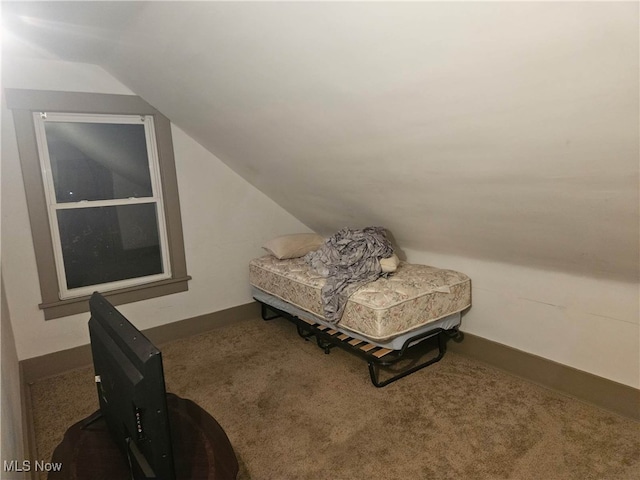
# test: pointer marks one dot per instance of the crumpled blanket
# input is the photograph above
(349, 259)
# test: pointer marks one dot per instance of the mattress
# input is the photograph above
(412, 298)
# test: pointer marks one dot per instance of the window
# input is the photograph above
(103, 203)
(101, 183)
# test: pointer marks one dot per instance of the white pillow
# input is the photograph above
(293, 246)
(389, 264)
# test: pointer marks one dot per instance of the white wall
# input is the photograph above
(11, 406)
(586, 323)
(225, 221)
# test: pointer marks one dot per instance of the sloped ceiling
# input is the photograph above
(506, 131)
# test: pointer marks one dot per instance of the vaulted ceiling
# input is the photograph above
(506, 131)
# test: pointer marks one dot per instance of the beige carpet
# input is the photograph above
(292, 412)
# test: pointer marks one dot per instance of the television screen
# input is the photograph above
(131, 391)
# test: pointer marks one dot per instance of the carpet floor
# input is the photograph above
(292, 412)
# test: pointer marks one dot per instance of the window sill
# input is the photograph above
(72, 306)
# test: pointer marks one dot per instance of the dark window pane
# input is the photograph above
(98, 161)
(107, 244)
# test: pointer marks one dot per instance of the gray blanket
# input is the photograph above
(349, 259)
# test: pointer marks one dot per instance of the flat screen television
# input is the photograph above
(131, 391)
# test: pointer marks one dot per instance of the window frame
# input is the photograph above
(24, 103)
(54, 206)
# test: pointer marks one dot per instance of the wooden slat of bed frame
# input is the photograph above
(382, 352)
(354, 342)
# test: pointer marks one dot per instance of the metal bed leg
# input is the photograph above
(306, 334)
(264, 309)
(374, 367)
(326, 346)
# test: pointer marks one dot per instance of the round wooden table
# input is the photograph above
(201, 448)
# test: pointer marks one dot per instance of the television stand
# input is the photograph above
(201, 448)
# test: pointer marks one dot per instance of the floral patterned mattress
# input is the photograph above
(410, 298)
